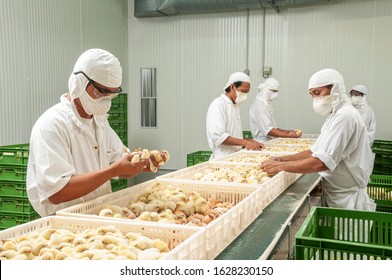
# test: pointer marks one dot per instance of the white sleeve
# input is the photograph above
(334, 141)
(53, 161)
(216, 120)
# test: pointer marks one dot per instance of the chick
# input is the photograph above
(38, 244)
(161, 245)
(106, 213)
(142, 242)
(47, 256)
(8, 254)
(137, 207)
(145, 154)
(200, 205)
(9, 245)
(154, 216)
(149, 254)
(188, 208)
(21, 257)
(135, 158)
(170, 204)
(27, 251)
(145, 216)
(47, 233)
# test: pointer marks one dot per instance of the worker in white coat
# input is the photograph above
(261, 115)
(341, 154)
(73, 150)
(223, 121)
(359, 95)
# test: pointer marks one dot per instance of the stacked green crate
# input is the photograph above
(118, 120)
(15, 207)
(247, 134)
(383, 160)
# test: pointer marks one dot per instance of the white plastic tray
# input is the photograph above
(219, 233)
(190, 243)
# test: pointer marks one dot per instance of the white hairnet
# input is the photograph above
(100, 66)
(270, 83)
(237, 77)
(361, 89)
(327, 77)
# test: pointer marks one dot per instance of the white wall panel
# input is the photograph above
(195, 54)
(40, 41)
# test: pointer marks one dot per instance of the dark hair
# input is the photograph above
(236, 84)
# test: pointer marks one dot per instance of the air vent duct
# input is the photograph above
(159, 8)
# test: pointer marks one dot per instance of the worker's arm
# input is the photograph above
(282, 133)
(297, 156)
(303, 166)
(82, 184)
(249, 144)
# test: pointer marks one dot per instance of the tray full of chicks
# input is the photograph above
(222, 211)
(248, 156)
(291, 141)
(67, 238)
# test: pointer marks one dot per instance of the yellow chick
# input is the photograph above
(149, 254)
(9, 245)
(8, 254)
(161, 245)
(106, 213)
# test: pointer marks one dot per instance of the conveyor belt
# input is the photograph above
(260, 237)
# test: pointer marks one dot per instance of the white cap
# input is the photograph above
(327, 77)
(100, 66)
(360, 88)
(237, 77)
(270, 83)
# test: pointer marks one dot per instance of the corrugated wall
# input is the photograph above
(40, 41)
(195, 54)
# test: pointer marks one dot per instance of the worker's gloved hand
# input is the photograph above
(272, 167)
(251, 144)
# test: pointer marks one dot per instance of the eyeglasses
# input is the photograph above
(102, 92)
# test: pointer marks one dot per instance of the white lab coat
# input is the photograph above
(343, 146)
(62, 145)
(262, 120)
(223, 120)
(369, 118)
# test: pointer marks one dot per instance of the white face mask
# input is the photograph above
(241, 97)
(358, 100)
(322, 105)
(272, 95)
(96, 107)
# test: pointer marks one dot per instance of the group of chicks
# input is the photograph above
(294, 141)
(161, 157)
(256, 158)
(286, 148)
(236, 174)
(102, 243)
(168, 204)
(380, 193)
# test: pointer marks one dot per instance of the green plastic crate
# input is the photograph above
(119, 125)
(118, 184)
(8, 220)
(383, 159)
(382, 169)
(380, 189)
(14, 155)
(15, 205)
(13, 173)
(247, 134)
(121, 98)
(197, 157)
(118, 117)
(13, 189)
(382, 147)
(339, 234)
